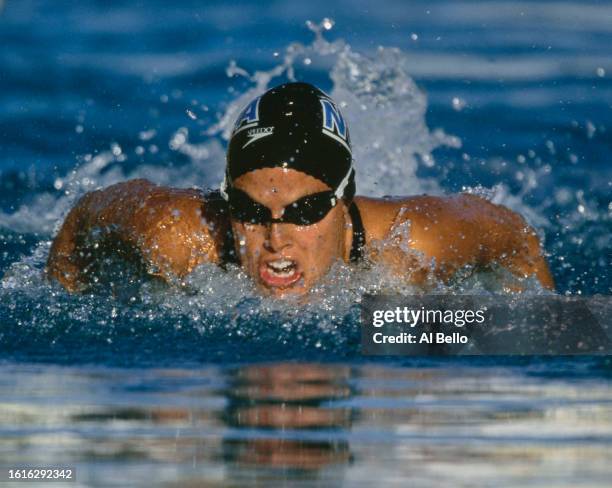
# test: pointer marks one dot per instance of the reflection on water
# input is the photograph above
(293, 400)
(311, 424)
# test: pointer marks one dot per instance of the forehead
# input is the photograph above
(278, 186)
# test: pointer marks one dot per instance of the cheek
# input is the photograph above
(307, 238)
(248, 240)
(323, 242)
(333, 234)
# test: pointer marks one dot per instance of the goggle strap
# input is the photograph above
(223, 188)
(345, 181)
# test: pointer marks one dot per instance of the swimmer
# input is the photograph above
(286, 211)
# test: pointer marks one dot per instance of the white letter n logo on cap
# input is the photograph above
(333, 123)
(248, 117)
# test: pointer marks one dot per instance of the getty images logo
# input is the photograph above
(333, 123)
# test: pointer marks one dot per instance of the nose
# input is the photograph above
(278, 237)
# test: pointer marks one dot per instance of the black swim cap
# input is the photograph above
(295, 126)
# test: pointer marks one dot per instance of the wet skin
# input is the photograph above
(174, 230)
(311, 249)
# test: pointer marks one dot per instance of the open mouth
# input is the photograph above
(279, 273)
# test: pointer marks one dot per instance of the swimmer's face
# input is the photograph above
(284, 258)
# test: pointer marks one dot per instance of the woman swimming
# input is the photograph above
(287, 210)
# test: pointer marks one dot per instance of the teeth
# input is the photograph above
(281, 264)
(283, 274)
(282, 267)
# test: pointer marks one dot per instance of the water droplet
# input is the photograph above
(427, 160)
(600, 72)
(191, 115)
(307, 61)
(590, 129)
(79, 129)
(178, 139)
(147, 135)
(327, 23)
(414, 37)
(116, 149)
(458, 104)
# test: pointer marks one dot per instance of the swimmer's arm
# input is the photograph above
(66, 262)
(165, 227)
(465, 230)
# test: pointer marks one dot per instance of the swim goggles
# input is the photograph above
(307, 210)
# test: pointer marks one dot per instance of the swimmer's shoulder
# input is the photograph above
(171, 230)
(176, 229)
(381, 215)
(448, 228)
(183, 227)
(458, 230)
(427, 213)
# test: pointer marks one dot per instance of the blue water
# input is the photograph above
(165, 385)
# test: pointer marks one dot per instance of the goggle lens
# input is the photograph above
(307, 210)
